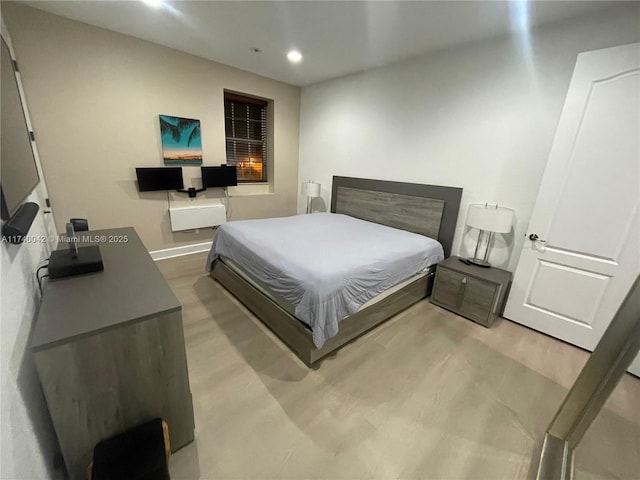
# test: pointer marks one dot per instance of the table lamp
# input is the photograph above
(488, 219)
(311, 190)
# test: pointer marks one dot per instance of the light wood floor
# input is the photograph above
(427, 395)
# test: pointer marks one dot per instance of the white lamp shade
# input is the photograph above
(311, 189)
(490, 218)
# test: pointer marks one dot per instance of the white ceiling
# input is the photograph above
(335, 37)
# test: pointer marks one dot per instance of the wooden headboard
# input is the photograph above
(429, 210)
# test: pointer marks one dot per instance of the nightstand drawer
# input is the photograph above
(470, 296)
(448, 290)
(478, 300)
(469, 291)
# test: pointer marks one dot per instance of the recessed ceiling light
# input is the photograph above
(153, 3)
(294, 56)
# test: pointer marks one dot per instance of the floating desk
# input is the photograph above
(109, 350)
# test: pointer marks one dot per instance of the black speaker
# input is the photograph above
(17, 227)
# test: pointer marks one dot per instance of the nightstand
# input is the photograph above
(474, 292)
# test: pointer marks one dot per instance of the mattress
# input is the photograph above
(290, 309)
(325, 265)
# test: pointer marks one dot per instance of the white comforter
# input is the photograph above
(326, 265)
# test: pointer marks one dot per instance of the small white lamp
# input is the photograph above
(311, 190)
(488, 219)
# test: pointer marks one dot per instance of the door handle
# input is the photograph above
(461, 291)
(534, 238)
(541, 244)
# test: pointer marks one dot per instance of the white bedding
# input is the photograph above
(326, 265)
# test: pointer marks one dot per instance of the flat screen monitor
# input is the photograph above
(18, 169)
(222, 176)
(159, 178)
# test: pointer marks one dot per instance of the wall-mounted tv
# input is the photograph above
(19, 174)
(222, 176)
(151, 179)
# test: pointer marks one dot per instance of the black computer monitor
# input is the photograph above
(159, 178)
(222, 176)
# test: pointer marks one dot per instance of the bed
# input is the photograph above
(302, 295)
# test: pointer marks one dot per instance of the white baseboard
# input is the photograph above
(182, 250)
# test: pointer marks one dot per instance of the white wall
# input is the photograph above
(27, 439)
(95, 97)
(27, 442)
(480, 116)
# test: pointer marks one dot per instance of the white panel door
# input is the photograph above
(571, 281)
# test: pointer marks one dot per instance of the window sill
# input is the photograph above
(248, 189)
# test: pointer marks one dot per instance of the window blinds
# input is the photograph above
(246, 136)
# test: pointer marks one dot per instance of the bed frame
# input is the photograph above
(429, 210)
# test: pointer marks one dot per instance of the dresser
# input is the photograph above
(109, 350)
(474, 292)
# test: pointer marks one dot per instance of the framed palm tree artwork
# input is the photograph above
(181, 140)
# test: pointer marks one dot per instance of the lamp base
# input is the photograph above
(479, 262)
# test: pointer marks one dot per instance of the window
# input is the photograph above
(246, 135)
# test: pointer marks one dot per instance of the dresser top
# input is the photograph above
(131, 288)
